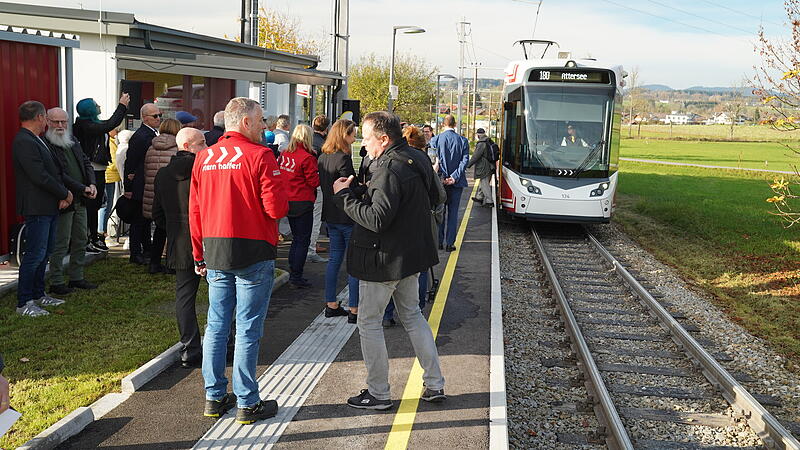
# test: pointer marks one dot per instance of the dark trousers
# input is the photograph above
(157, 246)
(40, 237)
(94, 205)
(186, 284)
(301, 237)
(451, 216)
(140, 237)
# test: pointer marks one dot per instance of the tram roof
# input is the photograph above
(516, 70)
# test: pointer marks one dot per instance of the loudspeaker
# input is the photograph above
(134, 89)
(353, 106)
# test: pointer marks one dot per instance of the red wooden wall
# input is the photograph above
(27, 72)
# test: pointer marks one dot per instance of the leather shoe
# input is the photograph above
(139, 260)
(82, 284)
(191, 363)
(153, 269)
(450, 248)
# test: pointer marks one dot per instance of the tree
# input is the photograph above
(280, 31)
(415, 78)
(777, 83)
(633, 95)
(734, 107)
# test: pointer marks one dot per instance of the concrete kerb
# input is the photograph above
(80, 418)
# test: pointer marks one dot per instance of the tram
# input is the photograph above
(560, 137)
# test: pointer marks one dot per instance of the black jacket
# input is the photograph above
(392, 238)
(171, 209)
(480, 159)
(331, 167)
(92, 135)
(213, 135)
(77, 187)
(134, 160)
(38, 177)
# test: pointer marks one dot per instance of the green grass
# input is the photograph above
(753, 155)
(84, 348)
(751, 133)
(715, 227)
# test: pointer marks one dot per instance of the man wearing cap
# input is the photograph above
(484, 167)
(186, 119)
(572, 139)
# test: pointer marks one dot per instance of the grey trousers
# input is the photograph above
(485, 190)
(374, 298)
(71, 237)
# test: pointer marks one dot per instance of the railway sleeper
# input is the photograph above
(661, 391)
(681, 417)
(650, 444)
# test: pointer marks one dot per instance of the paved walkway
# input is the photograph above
(672, 163)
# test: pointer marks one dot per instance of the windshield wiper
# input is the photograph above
(584, 165)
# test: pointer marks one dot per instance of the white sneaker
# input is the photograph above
(313, 257)
(31, 310)
(46, 300)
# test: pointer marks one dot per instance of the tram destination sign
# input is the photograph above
(569, 76)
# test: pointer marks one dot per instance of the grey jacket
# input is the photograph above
(480, 159)
(392, 237)
(38, 177)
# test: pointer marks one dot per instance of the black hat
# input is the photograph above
(128, 210)
(480, 131)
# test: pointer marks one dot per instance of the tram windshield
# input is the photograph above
(566, 129)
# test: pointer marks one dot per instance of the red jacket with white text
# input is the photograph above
(302, 174)
(236, 198)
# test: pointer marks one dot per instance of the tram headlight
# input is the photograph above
(600, 190)
(604, 186)
(526, 183)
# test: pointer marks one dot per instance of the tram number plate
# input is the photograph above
(564, 195)
(573, 76)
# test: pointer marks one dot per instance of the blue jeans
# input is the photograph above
(108, 204)
(423, 296)
(339, 235)
(244, 293)
(40, 237)
(451, 215)
(301, 237)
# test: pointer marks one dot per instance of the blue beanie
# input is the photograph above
(87, 110)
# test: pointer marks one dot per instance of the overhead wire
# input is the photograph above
(740, 12)
(647, 13)
(698, 16)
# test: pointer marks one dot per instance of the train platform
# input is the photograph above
(311, 365)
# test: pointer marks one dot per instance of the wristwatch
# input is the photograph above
(200, 263)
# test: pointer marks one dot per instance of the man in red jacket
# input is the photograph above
(237, 196)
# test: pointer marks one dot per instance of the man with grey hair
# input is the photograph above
(281, 131)
(40, 196)
(134, 179)
(219, 129)
(79, 177)
(236, 177)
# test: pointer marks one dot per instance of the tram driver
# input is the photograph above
(572, 139)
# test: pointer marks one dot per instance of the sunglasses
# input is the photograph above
(157, 116)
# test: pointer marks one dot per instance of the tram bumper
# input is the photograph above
(569, 211)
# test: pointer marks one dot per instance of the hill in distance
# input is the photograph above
(704, 89)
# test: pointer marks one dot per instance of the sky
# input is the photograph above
(679, 43)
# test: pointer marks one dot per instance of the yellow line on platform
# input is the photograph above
(407, 411)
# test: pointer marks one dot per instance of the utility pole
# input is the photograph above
(341, 50)
(474, 101)
(462, 40)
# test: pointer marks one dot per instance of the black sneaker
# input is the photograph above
(433, 396)
(335, 312)
(262, 410)
(60, 289)
(82, 284)
(365, 400)
(217, 408)
(92, 250)
(100, 244)
(352, 318)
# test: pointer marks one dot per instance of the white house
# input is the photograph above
(678, 118)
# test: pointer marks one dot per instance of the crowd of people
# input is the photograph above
(214, 202)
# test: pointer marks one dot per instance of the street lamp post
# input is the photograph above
(438, 78)
(406, 29)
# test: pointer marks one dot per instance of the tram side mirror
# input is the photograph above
(508, 106)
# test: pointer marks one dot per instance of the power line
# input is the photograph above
(740, 12)
(699, 16)
(706, 30)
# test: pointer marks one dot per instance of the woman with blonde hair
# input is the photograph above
(158, 155)
(299, 167)
(334, 162)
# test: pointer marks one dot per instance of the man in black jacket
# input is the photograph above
(391, 244)
(171, 212)
(40, 195)
(215, 133)
(134, 179)
(79, 177)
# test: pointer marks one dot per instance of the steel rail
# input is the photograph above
(764, 424)
(616, 435)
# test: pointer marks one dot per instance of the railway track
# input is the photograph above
(650, 381)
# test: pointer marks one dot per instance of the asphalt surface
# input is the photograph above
(167, 412)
